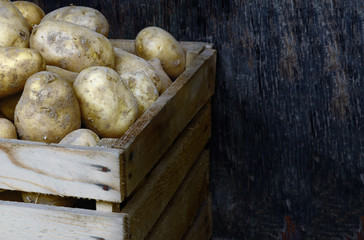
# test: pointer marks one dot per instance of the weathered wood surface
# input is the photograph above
(288, 110)
(33, 221)
(81, 172)
(182, 209)
(201, 228)
(148, 203)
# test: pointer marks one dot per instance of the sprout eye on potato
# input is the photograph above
(154, 42)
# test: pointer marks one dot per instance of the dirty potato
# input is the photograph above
(16, 65)
(8, 104)
(14, 29)
(45, 199)
(81, 137)
(142, 88)
(71, 47)
(162, 75)
(47, 110)
(84, 16)
(127, 62)
(32, 13)
(7, 129)
(67, 75)
(108, 107)
(154, 42)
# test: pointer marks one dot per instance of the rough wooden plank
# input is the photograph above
(32, 221)
(147, 204)
(81, 172)
(166, 118)
(183, 207)
(201, 228)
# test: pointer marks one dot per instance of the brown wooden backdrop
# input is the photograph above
(288, 113)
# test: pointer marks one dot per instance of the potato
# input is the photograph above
(162, 75)
(7, 129)
(154, 42)
(16, 65)
(108, 107)
(46, 199)
(32, 13)
(67, 75)
(14, 29)
(71, 47)
(84, 16)
(81, 137)
(142, 88)
(47, 110)
(127, 62)
(8, 104)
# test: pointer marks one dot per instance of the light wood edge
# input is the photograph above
(147, 204)
(183, 207)
(32, 221)
(179, 93)
(22, 170)
(201, 228)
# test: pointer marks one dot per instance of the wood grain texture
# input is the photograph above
(32, 221)
(166, 118)
(183, 207)
(201, 228)
(148, 203)
(81, 172)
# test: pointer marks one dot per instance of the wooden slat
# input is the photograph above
(81, 172)
(145, 207)
(129, 46)
(33, 221)
(151, 135)
(182, 209)
(201, 228)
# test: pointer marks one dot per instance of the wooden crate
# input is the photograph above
(141, 182)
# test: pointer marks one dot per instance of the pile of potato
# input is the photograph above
(62, 81)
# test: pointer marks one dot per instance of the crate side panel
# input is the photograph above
(32, 221)
(182, 209)
(201, 228)
(51, 169)
(148, 203)
(153, 133)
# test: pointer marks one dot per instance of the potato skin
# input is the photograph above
(14, 29)
(8, 104)
(47, 110)
(67, 75)
(108, 107)
(162, 75)
(7, 129)
(81, 137)
(45, 199)
(127, 62)
(71, 47)
(16, 65)
(154, 42)
(84, 16)
(142, 88)
(32, 13)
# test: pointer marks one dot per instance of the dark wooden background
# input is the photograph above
(288, 113)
